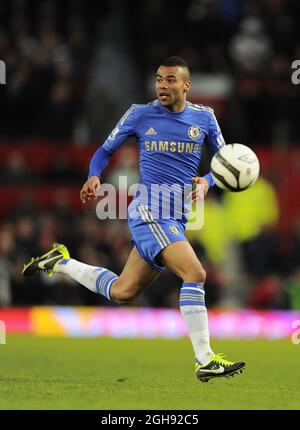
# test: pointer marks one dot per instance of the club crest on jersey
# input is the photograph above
(194, 132)
(174, 230)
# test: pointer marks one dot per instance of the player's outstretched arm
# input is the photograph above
(100, 159)
(90, 188)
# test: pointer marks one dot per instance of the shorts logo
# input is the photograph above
(194, 132)
(174, 230)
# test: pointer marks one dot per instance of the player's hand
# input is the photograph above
(200, 190)
(90, 188)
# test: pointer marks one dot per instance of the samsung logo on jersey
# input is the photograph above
(165, 146)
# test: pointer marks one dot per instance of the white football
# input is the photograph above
(235, 167)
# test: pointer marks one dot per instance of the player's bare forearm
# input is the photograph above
(89, 189)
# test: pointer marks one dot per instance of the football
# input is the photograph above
(235, 167)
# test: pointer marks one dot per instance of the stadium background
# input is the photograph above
(72, 69)
(69, 79)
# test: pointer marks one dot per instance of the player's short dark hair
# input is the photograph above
(175, 61)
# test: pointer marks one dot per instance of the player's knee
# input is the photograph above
(123, 296)
(196, 275)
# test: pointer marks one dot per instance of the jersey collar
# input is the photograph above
(167, 111)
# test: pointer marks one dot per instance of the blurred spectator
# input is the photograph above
(293, 260)
(6, 254)
(25, 233)
(268, 293)
(248, 212)
(61, 171)
(251, 47)
(261, 253)
(16, 171)
(57, 113)
(292, 286)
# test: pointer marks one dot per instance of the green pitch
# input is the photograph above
(59, 373)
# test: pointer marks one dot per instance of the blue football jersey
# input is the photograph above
(170, 143)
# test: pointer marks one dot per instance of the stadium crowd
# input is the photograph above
(50, 51)
(49, 48)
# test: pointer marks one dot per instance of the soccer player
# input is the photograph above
(170, 132)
